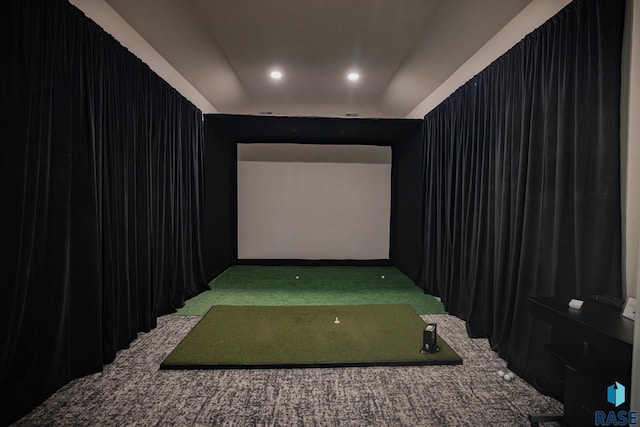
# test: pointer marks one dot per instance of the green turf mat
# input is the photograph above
(277, 286)
(305, 336)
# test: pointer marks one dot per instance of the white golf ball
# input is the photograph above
(382, 277)
(501, 374)
(297, 277)
(507, 377)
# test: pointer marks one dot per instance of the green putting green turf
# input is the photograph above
(278, 286)
(307, 336)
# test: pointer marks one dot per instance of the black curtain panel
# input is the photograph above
(522, 184)
(102, 190)
(408, 164)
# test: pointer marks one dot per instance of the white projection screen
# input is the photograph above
(314, 201)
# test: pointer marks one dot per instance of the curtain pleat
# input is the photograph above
(522, 184)
(102, 187)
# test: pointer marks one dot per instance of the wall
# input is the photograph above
(317, 110)
(630, 147)
(630, 140)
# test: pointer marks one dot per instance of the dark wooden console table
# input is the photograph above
(598, 354)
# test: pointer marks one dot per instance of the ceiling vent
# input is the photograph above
(266, 113)
(352, 114)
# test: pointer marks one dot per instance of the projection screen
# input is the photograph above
(313, 201)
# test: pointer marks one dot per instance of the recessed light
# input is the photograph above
(353, 76)
(276, 75)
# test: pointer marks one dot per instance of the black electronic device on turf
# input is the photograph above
(429, 339)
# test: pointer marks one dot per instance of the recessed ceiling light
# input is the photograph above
(276, 75)
(353, 76)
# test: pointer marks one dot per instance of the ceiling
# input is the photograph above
(403, 49)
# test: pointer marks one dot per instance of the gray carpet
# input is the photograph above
(132, 391)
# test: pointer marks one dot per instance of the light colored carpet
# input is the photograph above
(132, 391)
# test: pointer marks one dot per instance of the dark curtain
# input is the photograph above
(220, 239)
(522, 184)
(407, 167)
(101, 196)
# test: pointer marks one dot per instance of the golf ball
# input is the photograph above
(507, 377)
(382, 277)
(501, 374)
(297, 277)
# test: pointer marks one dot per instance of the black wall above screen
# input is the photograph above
(223, 132)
